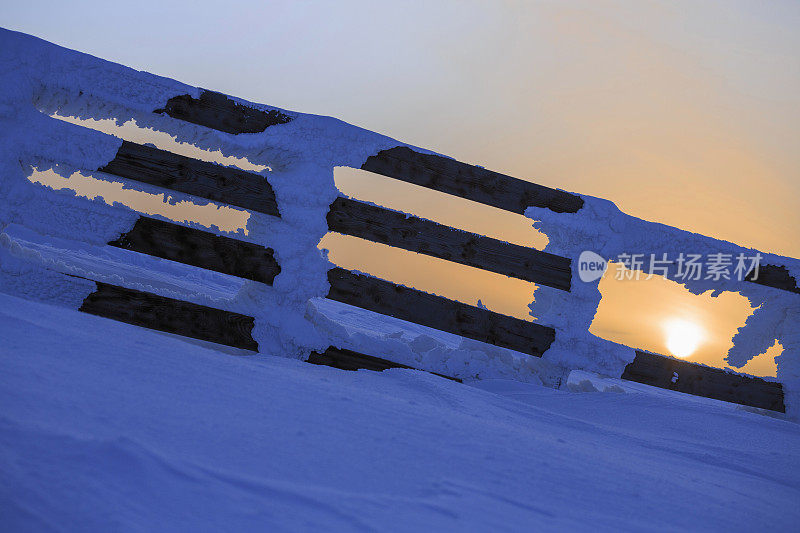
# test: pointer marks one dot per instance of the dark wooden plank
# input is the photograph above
(690, 378)
(349, 360)
(217, 111)
(172, 316)
(468, 181)
(427, 309)
(192, 176)
(201, 249)
(777, 277)
(385, 226)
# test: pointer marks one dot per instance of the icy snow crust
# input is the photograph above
(44, 233)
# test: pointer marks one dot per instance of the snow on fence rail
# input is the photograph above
(258, 286)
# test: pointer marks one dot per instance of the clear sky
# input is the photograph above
(686, 113)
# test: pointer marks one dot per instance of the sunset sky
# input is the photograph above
(686, 113)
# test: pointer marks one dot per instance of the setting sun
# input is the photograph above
(683, 337)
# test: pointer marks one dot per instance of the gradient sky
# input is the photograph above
(686, 113)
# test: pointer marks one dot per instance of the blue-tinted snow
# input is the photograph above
(110, 427)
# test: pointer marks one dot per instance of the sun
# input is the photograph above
(683, 337)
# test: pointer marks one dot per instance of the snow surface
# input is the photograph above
(110, 427)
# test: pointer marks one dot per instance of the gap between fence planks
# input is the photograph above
(229, 256)
(217, 111)
(348, 216)
(192, 176)
(683, 376)
(412, 305)
(378, 224)
(201, 249)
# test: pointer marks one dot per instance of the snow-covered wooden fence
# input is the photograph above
(247, 260)
(230, 256)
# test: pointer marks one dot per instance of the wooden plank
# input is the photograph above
(427, 309)
(378, 224)
(192, 176)
(777, 277)
(349, 360)
(217, 111)
(201, 249)
(690, 378)
(172, 316)
(468, 181)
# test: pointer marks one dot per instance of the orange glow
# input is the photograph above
(683, 337)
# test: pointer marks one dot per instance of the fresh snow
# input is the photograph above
(110, 427)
